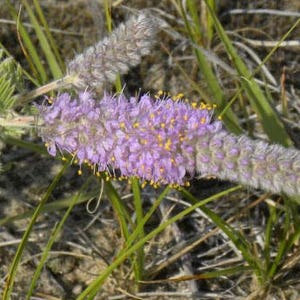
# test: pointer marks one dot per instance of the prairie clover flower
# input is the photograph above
(123, 49)
(162, 141)
(151, 139)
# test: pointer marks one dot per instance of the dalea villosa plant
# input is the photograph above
(162, 141)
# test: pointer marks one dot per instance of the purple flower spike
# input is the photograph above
(152, 139)
(162, 140)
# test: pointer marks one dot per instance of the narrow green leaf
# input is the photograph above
(49, 54)
(210, 21)
(239, 241)
(33, 58)
(268, 236)
(48, 34)
(107, 9)
(14, 266)
(213, 85)
(268, 117)
(119, 208)
(90, 292)
(139, 262)
(214, 274)
(195, 26)
(52, 239)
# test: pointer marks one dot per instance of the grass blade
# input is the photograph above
(214, 88)
(14, 266)
(49, 54)
(238, 240)
(52, 239)
(48, 34)
(32, 56)
(139, 262)
(90, 292)
(269, 119)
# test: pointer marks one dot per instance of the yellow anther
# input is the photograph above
(163, 125)
(122, 125)
(168, 145)
(203, 120)
(220, 118)
(203, 105)
(143, 184)
(79, 172)
(98, 174)
(194, 104)
(160, 93)
(136, 125)
(63, 158)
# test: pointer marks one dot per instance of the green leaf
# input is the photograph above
(32, 56)
(267, 115)
(10, 80)
(14, 266)
(92, 289)
(48, 34)
(49, 54)
(213, 86)
(56, 230)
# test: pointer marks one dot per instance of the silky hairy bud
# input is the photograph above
(115, 54)
(250, 162)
